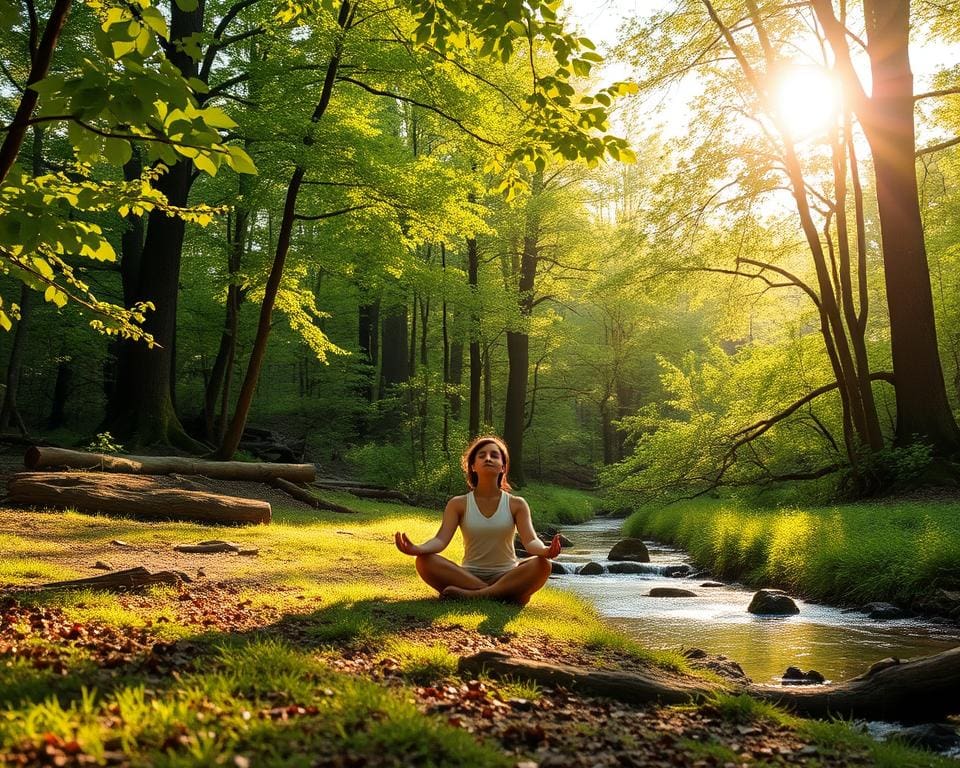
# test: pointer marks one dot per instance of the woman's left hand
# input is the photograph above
(553, 549)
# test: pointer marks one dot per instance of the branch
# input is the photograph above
(937, 147)
(937, 94)
(331, 214)
(17, 129)
(430, 107)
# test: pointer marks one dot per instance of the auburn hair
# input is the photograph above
(471, 453)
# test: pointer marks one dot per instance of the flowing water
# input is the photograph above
(839, 644)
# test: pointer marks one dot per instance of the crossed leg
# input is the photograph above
(515, 586)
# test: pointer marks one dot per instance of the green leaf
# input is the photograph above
(205, 163)
(117, 151)
(240, 161)
(217, 118)
(187, 6)
(5, 321)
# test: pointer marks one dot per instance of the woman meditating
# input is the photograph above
(488, 516)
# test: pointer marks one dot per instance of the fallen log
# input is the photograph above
(131, 495)
(639, 687)
(215, 546)
(119, 581)
(302, 494)
(923, 689)
(38, 457)
(363, 491)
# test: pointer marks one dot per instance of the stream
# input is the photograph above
(839, 644)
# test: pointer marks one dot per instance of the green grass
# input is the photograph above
(850, 553)
(553, 505)
(272, 695)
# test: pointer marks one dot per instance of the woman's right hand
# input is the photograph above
(405, 545)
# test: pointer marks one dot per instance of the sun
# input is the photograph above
(807, 99)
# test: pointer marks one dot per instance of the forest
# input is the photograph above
(376, 231)
(267, 266)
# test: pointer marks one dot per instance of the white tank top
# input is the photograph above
(488, 541)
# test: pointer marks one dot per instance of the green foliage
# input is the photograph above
(104, 442)
(853, 553)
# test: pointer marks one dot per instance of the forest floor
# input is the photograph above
(324, 649)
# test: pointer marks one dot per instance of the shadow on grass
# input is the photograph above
(368, 625)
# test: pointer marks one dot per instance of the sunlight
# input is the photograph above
(807, 99)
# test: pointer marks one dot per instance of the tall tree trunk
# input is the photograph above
(476, 371)
(9, 412)
(142, 405)
(368, 338)
(218, 383)
(62, 387)
(395, 360)
(518, 341)
(247, 390)
(923, 410)
(487, 388)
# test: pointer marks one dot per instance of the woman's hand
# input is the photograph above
(406, 546)
(554, 548)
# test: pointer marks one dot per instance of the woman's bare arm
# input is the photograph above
(531, 542)
(448, 526)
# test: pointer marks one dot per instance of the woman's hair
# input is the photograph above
(471, 453)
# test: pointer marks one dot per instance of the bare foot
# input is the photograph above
(457, 592)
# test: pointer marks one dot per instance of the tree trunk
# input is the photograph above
(476, 371)
(142, 497)
(141, 408)
(923, 411)
(38, 457)
(518, 342)
(231, 438)
(368, 338)
(394, 369)
(9, 412)
(62, 388)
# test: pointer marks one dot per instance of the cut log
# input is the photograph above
(38, 457)
(302, 494)
(638, 687)
(364, 492)
(131, 495)
(923, 689)
(119, 581)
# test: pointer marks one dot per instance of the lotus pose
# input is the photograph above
(488, 516)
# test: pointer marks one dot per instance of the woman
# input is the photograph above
(488, 516)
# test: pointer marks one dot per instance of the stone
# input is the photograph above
(884, 611)
(938, 737)
(796, 676)
(100, 565)
(558, 568)
(671, 592)
(630, 549)
(772, 602)
(591, 569)
(712, 584)
(626, 567)
(676, 571)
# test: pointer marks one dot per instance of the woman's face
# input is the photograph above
(487, 459)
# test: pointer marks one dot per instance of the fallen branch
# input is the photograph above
(38, 457)
(302, 494)
(633, 687)
(215, 546)
(363, 491)
(132, 578)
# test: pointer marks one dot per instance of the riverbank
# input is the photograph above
(906, 552)
(324, 649)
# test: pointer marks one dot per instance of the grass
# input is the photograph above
(846, 554)
(272, 694)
